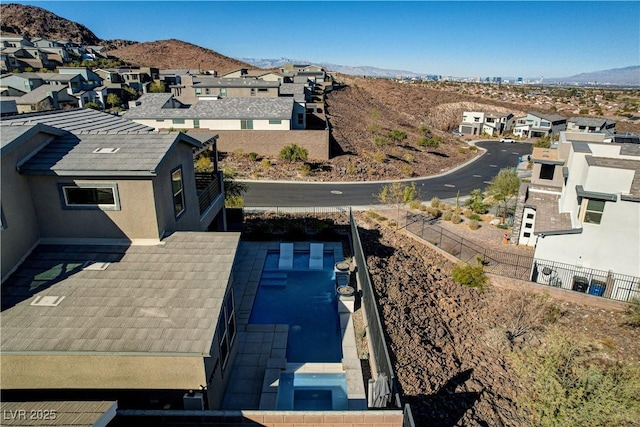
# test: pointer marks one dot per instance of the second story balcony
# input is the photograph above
(210, 191)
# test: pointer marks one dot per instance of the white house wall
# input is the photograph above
(590, 249)
(608, 180)
(234, 124)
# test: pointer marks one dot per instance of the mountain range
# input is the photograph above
(33, 21)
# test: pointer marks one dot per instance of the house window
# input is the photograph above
(263, 89)
(178, 121)
(227, 327)
(528, 225)
(253, 91)
(196, 123)
(198, 91)
(223, 92)
(300, 118)
(90, 196)
(275, 122)
(246, 124)
(178, 192)
(530, 216)
(476, 119)
(526, 235)
(593, 210)
(207, 91)
(546, 171)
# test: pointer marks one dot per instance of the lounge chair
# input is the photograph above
(316, 256)
(286, 256)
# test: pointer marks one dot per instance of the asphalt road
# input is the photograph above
(473, 175)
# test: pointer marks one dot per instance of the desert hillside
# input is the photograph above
(176, 54)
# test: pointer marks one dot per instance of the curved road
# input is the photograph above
(464, 179)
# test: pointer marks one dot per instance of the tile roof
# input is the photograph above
(74, 154)
(548, 219)
(77, 120)
(590, 121)
(233, 82)
(150, 299)
(227, 108)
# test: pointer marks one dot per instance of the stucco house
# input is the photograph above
(109, 287)
(492, 123)
(581, 211)
(593, 124)
(538, 125)
(218, 88)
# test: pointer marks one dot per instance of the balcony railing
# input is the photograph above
(208, 187)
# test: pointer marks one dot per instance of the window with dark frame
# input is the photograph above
(227, 327)
(593, 211)
(178, 192)
(546, 171)
(246, 124)
(88, 196)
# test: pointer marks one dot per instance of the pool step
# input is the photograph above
(273, 279)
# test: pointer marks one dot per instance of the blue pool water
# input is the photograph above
(306, 301)
(312, 392)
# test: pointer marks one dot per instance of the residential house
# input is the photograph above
(593, 124)
(218, 88)
(104, 259)
(43, 98)
(538, 125)
(139, 78)
(491, 123)
(255, 74)
(24, 82)
(91, 79)
(581, 212)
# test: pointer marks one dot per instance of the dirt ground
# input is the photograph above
(447, 341)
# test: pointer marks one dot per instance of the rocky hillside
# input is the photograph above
(172, 54)
(34, 21)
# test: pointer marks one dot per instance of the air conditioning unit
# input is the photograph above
(193, 401)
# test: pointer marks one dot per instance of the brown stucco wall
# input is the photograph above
(101, 372)
(335, 419)
(270, 142)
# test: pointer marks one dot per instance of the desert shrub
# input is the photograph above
(475, 217)
(433, 212)
(253, 156)
(409, 158)
(266, 163)
(467, 212)
(374, 128)
(435, 203)
(351, 168)
(392, 224)
(462, 150)
(305, 169)
(382, 218)
(456, 219)
(474, 224)
(406, 170)
(380, 141)
(415, 204)
(633, 312)
(234, 201)
(397, 135)
(294, 153)
(473, 148)
(447, 215)
(469, 275)
(424, 130)
(373, 214)
(568, 385)
(379, 157)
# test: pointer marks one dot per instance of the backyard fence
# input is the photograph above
(313, 211)
(496, 262)
(375, 332)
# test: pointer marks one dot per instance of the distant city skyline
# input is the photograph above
(460, 39)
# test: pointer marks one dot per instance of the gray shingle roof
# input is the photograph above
(150, 299)
(590, 121)
(39, 93)
(233, 82)
(73, 154)
(550, 117)
(77, 120)
(227, 108)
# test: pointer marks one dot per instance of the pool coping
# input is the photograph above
(261, 353)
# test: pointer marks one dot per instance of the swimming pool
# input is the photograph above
(312, 391)
(305, 300)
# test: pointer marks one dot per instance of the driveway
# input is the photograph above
(475, 174)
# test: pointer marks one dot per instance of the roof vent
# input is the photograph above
(47, 301)
(106, 150)
(95, 266)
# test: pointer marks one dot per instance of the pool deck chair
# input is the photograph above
(286, 256)
(316, 256)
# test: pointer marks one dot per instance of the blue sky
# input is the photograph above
(452, 38)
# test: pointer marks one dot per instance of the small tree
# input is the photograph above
(294, 153)
(157, 87)
(475, 201)
(397, 194)
(431, 142)
(113, 100)
(92, 105)
(233, 190)
(504, 188)
(543, 142)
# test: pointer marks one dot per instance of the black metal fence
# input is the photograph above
(375, 332)
(495, 262)
(606, 284)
